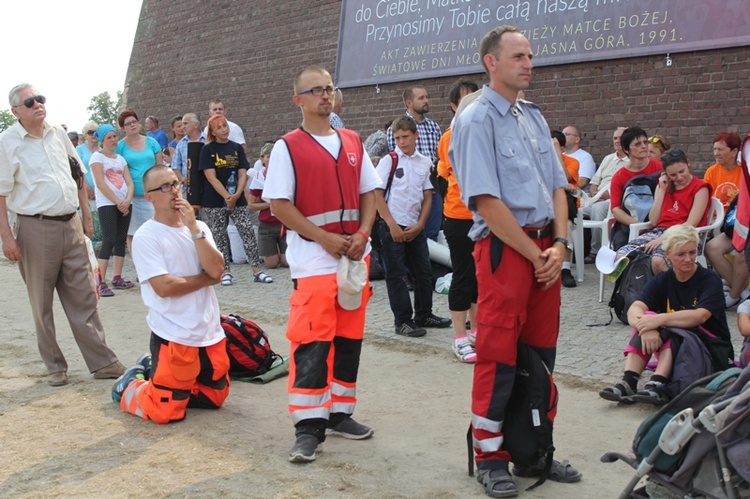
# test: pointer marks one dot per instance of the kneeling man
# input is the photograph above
(178, 265)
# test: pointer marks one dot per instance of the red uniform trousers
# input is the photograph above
(181, 377)
(512, 307)
(326, 342)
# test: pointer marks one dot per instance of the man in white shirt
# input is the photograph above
(320, 184)
(573, 148)
(602, 178)
(37, 186)
(178, 265)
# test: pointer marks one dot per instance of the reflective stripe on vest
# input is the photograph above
(334, 217)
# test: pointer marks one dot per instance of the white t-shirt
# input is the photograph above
(257, 182)
(191, 319)
(114, 177)
(410, 180)
(308, 258)
(587, 166)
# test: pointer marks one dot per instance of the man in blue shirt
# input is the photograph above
(156, 133)
(512, 180)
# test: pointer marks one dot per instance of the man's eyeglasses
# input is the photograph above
(167, 187)
(30, 101)
(318, 91)
(674, 153)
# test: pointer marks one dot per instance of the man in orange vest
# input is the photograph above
(321, 184)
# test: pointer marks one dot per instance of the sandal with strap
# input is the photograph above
(226, 279)
(464, 350)
(497, 483)
(621, 392)
(561, 471)
(263, 277)
(105, 291)
(651, 394)
(119, 283)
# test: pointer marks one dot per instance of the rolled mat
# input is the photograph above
(279, 368)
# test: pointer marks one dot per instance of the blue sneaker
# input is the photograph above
(145, 361)
(132, 373)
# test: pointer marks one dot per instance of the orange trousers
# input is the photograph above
(326, 342)
(181, 377)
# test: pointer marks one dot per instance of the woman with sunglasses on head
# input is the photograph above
(114, 193)
(224, 165)
(724, 178)
(140, 153)
(657, 145)
(680, 198)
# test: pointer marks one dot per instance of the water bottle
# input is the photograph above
(232, 184)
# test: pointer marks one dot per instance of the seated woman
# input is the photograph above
(657, 146)
(724, 179)
(680, 198)
(689, 297)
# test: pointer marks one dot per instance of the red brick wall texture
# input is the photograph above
(246, 52)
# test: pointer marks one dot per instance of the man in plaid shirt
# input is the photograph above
(417, 102)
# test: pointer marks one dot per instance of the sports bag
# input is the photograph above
(248, 347)
(529, 414)
(630, 284)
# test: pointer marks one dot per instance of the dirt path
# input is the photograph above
(75, 442)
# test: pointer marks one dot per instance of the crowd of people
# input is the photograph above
(498, 182)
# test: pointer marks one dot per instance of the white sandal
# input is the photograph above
(226, 279)
(464, 350)
(263, 277)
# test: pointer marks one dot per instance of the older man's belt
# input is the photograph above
(54, 218)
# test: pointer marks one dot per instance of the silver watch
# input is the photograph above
(200, 235)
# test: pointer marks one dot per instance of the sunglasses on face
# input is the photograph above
(30, 101)
(167, 187)
(318, 91)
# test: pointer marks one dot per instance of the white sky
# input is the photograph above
(69, 50)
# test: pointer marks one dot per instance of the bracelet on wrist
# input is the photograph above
(362, 233)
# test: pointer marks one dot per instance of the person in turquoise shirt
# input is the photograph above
(141, 153)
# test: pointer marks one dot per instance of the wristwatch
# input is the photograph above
(565, 242)
(200, 235)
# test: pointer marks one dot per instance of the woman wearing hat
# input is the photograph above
(114, 193)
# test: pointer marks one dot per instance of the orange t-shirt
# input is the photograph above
(572, 165)
(453, 207)
(725, 185)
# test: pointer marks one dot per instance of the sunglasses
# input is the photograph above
(655, 140)
(318, 91)
(30, 101)
(674, 153)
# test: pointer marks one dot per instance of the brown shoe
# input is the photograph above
(112, 371)
(57, 379)
(589, 259)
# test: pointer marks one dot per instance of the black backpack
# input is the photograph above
(527, 426)
(630, 284)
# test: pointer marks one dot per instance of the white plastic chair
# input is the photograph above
(577, 233)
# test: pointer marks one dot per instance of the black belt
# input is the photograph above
(539, 233)
(56, 218)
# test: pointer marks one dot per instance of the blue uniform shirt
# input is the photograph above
(506, 156)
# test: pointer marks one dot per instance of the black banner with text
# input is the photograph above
(383, 41)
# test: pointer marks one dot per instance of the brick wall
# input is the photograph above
(246, 52)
